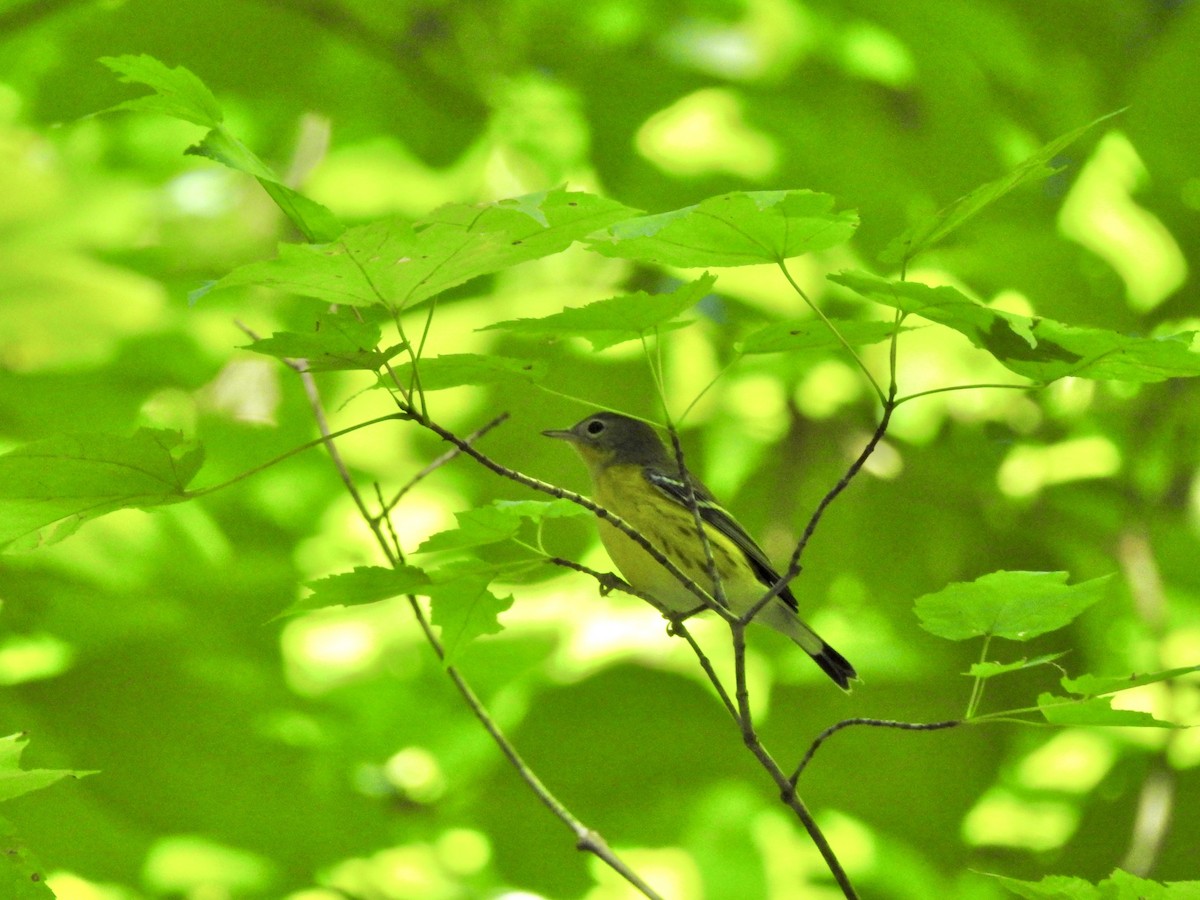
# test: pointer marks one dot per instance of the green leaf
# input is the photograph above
(537, 510)
(1013, 605)
(738, 229)
(463, 607)
(1093, 685)
(458, 369)
(366, 584)
(476, 528)
(1052, 887)
(15, 781)
(85, 476)
(812, 335)
(22, 876)
(928, 231)
(627, 317)
(992, 669)
(315, 221)
(177, 92)
(338, 342)
(1038, 348)
(1094, 711)
(397, 264)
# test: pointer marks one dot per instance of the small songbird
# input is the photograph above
(635, 478)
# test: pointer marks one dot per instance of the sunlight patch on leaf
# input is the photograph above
(1094, 711)
(15, 781)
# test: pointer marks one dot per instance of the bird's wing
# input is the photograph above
(712, 514)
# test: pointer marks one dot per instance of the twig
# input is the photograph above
(586, 838)
(878, 723)
(787, 788)
(440, 461)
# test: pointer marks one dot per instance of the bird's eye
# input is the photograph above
(595, 426)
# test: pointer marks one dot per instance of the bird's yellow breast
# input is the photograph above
(670, 528)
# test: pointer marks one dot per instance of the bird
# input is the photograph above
(635, 478)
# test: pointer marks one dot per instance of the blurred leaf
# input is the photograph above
(339, 342)
(181, 95)
(366, 584)
(89, 475)
(458, 369)
(397, 264)
(22, 877)
(738, 229)
(1036, 347)
(1013, 605)
(15, 781)
(1052, 887)
(315, 221)
(627, 317)
(177, 92)
(929, 230)
(463, 607)
(1094, 711)
(1092, 685)
(992, 669)
(811, 334)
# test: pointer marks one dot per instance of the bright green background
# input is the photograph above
(261, 757)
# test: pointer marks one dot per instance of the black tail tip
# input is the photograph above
(835, 666)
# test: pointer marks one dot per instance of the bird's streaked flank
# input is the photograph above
(636, 479)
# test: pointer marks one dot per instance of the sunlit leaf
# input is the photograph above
(627, 317)
(15, 781)
(85, 476)
(177, 92)
(1094, 711)
(22, 876)
(537, 510)
(463, 607)
(1036, 347)
(314, 220)
(813, 334)
(339, 342)
(1052, 887)
(180, 94)
(932, 229)
(397, 264)
(992, 669)
(1092, 685)
(476, 527)
(366, 584)
(1013, 605)
(738, 229)
(457, 369)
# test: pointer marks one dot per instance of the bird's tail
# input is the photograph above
(781, 618)
(833, 664)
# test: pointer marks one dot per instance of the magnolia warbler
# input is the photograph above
(634, 478)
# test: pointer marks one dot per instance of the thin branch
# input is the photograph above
(787, 788)
(440, 461)
(579, 500)
(877, 723)
(586, 838)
